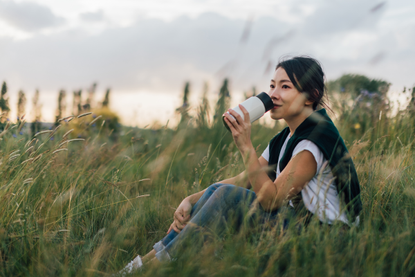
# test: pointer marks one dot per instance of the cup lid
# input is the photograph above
(266, 100)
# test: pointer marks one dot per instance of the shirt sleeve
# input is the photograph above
(313, 149)
(265, 154)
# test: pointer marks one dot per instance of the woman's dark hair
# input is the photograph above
(307, 76)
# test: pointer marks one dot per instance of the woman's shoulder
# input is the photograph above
(308, 145)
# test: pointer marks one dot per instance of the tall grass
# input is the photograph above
(87, 207)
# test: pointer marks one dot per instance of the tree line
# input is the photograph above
(78, 105)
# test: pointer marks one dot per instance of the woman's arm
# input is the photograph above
(182, 213)
(242, 179)
(271, 195)
(290, 181)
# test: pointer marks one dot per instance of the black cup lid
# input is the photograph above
(266, 100)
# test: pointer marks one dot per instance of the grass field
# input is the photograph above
(87, 207)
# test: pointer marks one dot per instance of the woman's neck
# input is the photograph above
(294, 122)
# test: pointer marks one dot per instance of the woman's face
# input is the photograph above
(288, 101)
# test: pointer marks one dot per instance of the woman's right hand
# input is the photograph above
(181, 216)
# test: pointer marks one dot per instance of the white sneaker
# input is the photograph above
(132, 266)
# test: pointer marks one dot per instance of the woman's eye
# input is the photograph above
(271, 86)
(285, 86)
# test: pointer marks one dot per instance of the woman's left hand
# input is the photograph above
(240, 128)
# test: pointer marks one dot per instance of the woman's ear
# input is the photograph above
(309, 101)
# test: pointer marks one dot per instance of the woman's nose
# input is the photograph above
(274, 93)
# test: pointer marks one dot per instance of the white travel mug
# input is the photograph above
(256, 106)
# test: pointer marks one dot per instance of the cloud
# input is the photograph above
(339, 17)
(28, 16)
(155, 55)
(92, 16)
(151, 54)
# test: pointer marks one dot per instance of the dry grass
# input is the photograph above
(90, 211)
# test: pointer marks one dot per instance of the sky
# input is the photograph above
(146, 50)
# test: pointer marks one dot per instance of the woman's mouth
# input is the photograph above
(276, 107)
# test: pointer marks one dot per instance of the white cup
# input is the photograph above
(256, 106)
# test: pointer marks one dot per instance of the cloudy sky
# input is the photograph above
(146, 50)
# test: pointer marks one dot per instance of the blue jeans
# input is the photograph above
(220, 207)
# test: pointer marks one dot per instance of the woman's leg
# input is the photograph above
(149, 256)
(214, 216)
(195, 209)
(159, 246)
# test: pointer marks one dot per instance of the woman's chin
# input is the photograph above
(275, 116)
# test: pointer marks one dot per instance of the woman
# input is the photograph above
(311, 166)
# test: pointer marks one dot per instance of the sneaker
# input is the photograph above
(132, 266)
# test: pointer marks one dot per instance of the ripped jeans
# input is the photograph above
(222, 206)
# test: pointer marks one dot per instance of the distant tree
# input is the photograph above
(91, 95)
(202, 119)
(359, 100)
(184, 108)
(250, 93)
(106, 101)
(60, 112)
(21, 105)
(223, 102)
(411, 106)
(4, 104)
(77, 102)
(37, 114)
(355, 84)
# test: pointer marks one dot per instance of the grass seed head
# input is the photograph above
(59, 150)
(13, 157)
(65, 118)
(84, 114)
(40, 146)
(70, 140)
(14, 152)
(93, 121)
(144, 195)
(57, 128)
(28, 160)
(37, 157)
(28, 149)
(76, 139)
(27, 181)
(67, 133)
(43, 132)
(22, 123)
(29, 142)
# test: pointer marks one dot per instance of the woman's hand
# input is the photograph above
(240, 128)
(181, 216)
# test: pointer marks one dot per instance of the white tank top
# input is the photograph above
(320, 195)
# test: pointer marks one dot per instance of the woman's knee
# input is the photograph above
(212, 188)
(229, 191)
